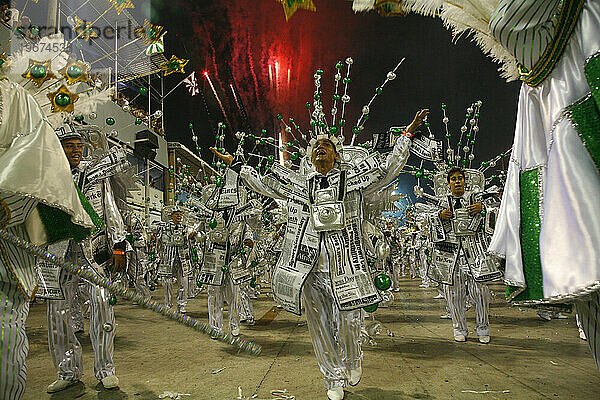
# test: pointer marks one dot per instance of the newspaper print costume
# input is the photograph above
(328, 268)
(95, 254)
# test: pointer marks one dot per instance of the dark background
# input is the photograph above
(235, 40)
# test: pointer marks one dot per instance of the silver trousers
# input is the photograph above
(13, 371)
(456, 296)
(182, 291)
(335, 334)
(246, 308)
(589, 316)
(217, 295)
(65, 349)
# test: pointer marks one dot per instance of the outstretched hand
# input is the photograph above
(418, 120)
(225, 157)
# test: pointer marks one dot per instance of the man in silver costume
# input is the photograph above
(459, 258)
(103, 253)
(228, 244)
(173, 241)
(324, 242)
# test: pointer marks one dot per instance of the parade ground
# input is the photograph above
(413, 357)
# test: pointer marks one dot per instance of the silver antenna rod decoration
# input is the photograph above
(367, 108)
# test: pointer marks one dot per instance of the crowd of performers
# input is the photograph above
(249, 230)
(311, 229)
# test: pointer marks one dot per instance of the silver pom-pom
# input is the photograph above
(476, 128)
(471, 157)
(334, 111)
(470, 110)
(345, 98)
(288, 129)
(365, 110)
(492, 163)
(445, 120)
(195, 138)
(126, 108)
(93, 115)
(448, 151)
(463, 129)
(337, 77)
(466, 149)
(472, 122)
(479, 103)
(349, 61)
(391, 76)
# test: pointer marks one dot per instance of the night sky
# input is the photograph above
(234, 41)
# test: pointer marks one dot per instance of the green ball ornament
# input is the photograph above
(253, 282)
(270, 159)
(74, 71)
(279, 117)
(383, 282)
(38, 71)
(333, 130)
(339, 65)
(379, 90)
(110, 121)
(212, 223)
(319, 72)
(294, 156)
(152, 288)
(138, 121)
(356, 130)
(143, 91)
(224, 268)
(219, 181)
(419, 174)
(371, 308)
(34, 30)
(112, 300)
(198, 283)
(62, 99)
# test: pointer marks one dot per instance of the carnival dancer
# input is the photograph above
(104, 253)
(459, 256)
(227, 246)
(173, 241)
(38, 203)
(323, 248)
(137, 265)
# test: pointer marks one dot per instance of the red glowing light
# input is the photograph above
(205, 73)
